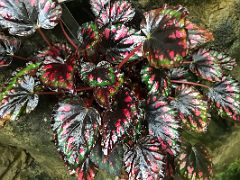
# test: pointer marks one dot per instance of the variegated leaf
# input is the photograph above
(206, 66)
(144, 159)
(19, 98)
(156, 80)
(116, 122)
(226, 97)
(165, 37)
(118, 42)
(191, 107)
(23, 17)
(76, 130)
(109, 12)
(196, 35)
(162, 122)
(194, 162)
(8, 46)
(57, 70)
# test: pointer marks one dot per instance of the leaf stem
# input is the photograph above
(66, 36)
(125, 60)
(190, 83)
(19, 57)
(47, 93)
(84, 89)
(45, 38)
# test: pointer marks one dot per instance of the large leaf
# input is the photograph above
(87, 171)
(88, 35)
(118, 42)
(112, 163)
(162, 122)
(196, 35)
(76, 130)
(103, 74)
(23, 17)
(144, 159)
(20, 98)
(165, 43)
(8, 46)
(57, 70)
(117, 121)
(109, 12)
(206, 66)
(194, 162)
(226, 97)
(156, 80)
(191, 107)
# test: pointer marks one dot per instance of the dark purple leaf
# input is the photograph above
(162, 122)
(194, 162)
(156, 80)
(109, 12)
(98, 76)
(112, 163)
(8, 46)
(88, 35)
(23, 17)
(116, 122)
(118, 42)
(58, 67)
(177, 74)
(76, 130)
(20, 98)
(226, 97)
(144, 159)
(196, 35)
(87, 171)
(206, 66)
(165, 42)
(191, 107)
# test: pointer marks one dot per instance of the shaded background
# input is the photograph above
(26, 147)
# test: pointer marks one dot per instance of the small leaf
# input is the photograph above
(88, 35)
(109, 12)
(196, 35)
(57, 70)
(20, 98)
(118, 42)
(206, 66)
(87, 171)
(162, 122)
(165, 37)
(156, 80)
(144, 159)
(76, 130)
(98, 76)
(178, 74)
(8, 46)
(104, 95)
(226, 97)
(117, 121)
(194, 162)
(191, 107)
(112, 163)
(23, 17)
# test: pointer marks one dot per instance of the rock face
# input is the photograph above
(26, 147)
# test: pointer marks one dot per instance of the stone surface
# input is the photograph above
(26, 147)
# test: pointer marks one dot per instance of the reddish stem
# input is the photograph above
(48, 93)
(19, 57)
(189, 83)
(84, 89)
(125, 60)
(67, 37)
(45, 38)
